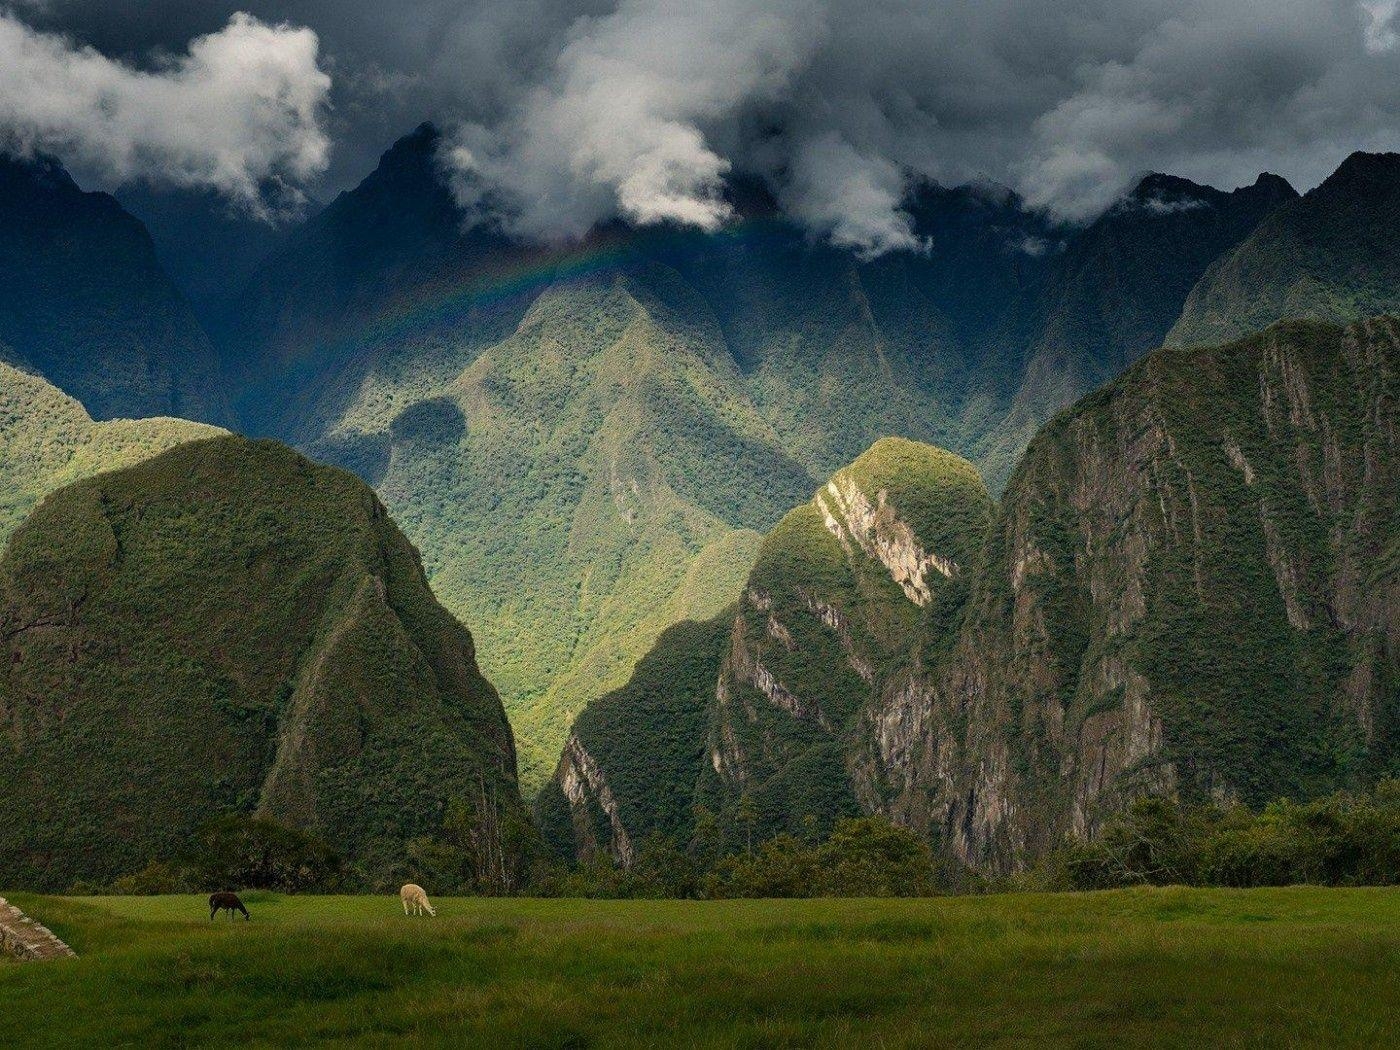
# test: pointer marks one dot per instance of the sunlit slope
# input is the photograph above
(47, 440)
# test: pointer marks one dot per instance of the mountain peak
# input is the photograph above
(39, 170)
(1271, 185)
(1155, 183)
(1361, 170)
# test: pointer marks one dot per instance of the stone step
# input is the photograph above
(23, 937)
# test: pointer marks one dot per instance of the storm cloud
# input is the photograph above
(239, 112)
(563, 114)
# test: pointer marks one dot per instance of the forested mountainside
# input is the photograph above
(1113, 294)
(1191, 584)
(577, 437)
(846, 591)
(85, 303)
(1329, 256)
(230, 628)
(47, 440)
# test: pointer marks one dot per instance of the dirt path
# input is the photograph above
(22, 936)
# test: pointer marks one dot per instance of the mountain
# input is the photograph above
(1328, 256)
(848, 592)
(85, 303)
(229, 628)
(634, 757)
(47, 440)
(1114, 292)
(1190, 585)
(205, 244)
(575, 436)
(585, 441)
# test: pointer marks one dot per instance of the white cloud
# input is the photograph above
(571, 112)
(851, 198)
(1380, 33)
(240, 110)
(618, 124)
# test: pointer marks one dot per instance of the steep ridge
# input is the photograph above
(633, 758)
(762, 705)
(1329, 256)
(47, 440)
(1191, 585)
(229, 628)
(85, 303)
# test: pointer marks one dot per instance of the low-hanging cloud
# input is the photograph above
(240, 112)
(617, 124)
(564, 113)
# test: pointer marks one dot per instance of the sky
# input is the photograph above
(559, 115)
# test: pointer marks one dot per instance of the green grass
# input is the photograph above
(1173, 967)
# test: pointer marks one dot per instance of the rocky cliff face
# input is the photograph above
(847, 594)
(849, 589)
(1191, 586)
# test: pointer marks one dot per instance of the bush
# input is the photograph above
(258, 853)
(1343, 839)
(157, 877)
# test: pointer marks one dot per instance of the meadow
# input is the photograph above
(1150, 967)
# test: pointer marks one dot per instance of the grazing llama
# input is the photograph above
(413, 897)
(229, 902)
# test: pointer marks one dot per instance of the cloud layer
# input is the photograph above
(238, 113)
(563, 113)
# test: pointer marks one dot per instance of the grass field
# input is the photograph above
(1173, 967)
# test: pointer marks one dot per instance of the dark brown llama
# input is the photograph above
(229, 902)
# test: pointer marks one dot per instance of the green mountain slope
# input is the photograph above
(229, 628)
(1329, 256)
(634, 756)
(582, 486)
(847, 592)
(1191, 585)
(47, 440)
(85, 303)
(584, 442)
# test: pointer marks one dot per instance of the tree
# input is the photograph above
(748, 817)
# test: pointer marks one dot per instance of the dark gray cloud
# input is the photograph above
(565, 113)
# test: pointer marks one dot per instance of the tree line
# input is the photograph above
(1344, 839)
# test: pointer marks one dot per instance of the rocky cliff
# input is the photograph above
(761, 706)
(1191, 586)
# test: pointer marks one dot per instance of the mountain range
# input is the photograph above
(576, 437)
(742, 522)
